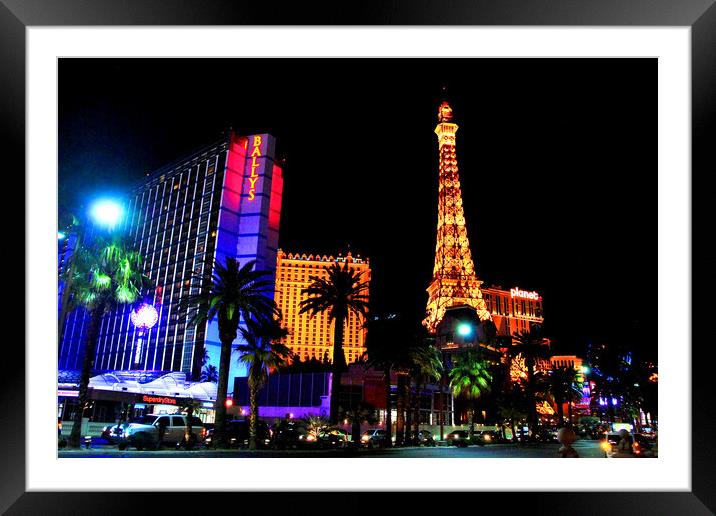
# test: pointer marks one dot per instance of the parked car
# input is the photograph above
(422, 438)
(644, 446)
(547, 435)
(292, 435)
(143, 432)
(374, 438)
(237, 434)
(490, 436)
(332, 438)
(459, 438)
(638, 445)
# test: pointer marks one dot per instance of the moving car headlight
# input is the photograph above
(487, 438)
(606, 446)
(365, 438)
(310, 437)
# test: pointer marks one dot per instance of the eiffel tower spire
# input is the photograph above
(454, 281)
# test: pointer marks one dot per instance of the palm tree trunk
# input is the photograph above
(188, 429)
(253, 415)
(471, 421)
(339, 364)
(355, 429)
(532, 404)
(400, 412)
(512, 427)
(220, 419)
(388, 408)
(560, 412)
(87, 365)
(408, 411)
(416, 402)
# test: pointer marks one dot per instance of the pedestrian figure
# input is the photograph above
(566, 437)
(625, 443)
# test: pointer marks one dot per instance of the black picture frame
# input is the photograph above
(700, 15)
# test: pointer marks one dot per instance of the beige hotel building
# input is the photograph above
(312, 337)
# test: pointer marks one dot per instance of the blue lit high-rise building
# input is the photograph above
(223, 200)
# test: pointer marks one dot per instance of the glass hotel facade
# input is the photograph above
(224, 200)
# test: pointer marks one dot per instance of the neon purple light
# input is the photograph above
(144, 316)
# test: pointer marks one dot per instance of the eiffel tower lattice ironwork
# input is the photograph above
(454, 281)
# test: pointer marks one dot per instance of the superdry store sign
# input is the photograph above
(158, 400)
(133, 397)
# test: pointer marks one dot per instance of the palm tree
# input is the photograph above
(531, 346)
(426, 367)
(564, 386)
(387, 349)
(340, 294)
(511, 407)
(105, 273)
(262, 352)
(235, 292)
(209, 374)
(470, 377)
(314, 424)
(361, 412)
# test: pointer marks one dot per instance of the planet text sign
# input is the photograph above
(516, 292)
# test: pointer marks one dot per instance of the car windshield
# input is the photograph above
(145, 420)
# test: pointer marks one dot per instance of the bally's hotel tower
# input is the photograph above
(223, 200)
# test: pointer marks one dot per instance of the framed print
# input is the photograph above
(166, 150)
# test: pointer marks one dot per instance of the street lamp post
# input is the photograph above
(104, 213)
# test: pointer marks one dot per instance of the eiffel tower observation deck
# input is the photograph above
(454, 281)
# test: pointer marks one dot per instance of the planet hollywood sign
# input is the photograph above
(516, 292)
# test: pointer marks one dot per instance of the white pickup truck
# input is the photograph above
(143, 432)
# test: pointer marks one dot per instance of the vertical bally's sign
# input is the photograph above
(255, 165)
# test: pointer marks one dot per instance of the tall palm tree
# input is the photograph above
(531, 346)
(340, 294)
(511, 407)
(426, 367)
(470, 377)
(234, 293)
(262, 352)
(105, 273)
(387, 349)
(564, 386)
(357, 414)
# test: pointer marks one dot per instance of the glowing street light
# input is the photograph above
(106, 212)
(464, 329)
(143, 317)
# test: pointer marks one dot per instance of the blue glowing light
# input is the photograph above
(106, 212)
(464, 329)
(60, 235)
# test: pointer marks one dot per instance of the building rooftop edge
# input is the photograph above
(322, 258)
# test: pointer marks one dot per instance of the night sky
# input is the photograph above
(557, 160)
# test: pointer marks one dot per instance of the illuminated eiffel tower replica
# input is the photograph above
(454, 281)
